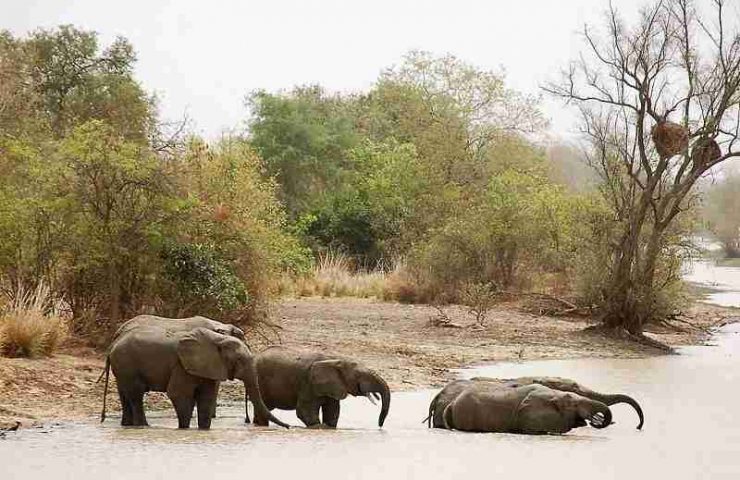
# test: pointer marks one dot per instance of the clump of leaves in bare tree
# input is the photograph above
(660, 104)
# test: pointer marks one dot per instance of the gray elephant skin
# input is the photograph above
(530, 409)
(313, 382)
(454, 389)
(178, 325)
(187, 365)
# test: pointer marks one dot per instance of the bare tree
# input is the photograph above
(660, 105)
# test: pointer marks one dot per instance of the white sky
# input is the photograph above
(203, 57)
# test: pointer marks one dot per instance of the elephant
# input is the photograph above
(309, 382)
(453, 389)
(187, 365)
(531, 409)
(175, 325)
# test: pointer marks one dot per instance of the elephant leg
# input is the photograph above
(308, 413)
(330, 412)
(215, 401)
(184, 409)
(137, 409)
(127, 417)
(205, 398)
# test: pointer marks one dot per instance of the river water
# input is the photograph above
(692, 431)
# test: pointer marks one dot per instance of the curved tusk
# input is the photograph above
(371, 399)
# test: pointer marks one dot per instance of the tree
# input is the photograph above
(77, 82)
(660, 104)
(304, 137)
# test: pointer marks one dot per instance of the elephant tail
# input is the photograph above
(105, 388)
(432, 407)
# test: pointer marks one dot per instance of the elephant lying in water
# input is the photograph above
(531, 409)
(453, 389)
(188, 365)
(309, 382)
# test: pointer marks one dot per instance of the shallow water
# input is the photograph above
(724, 279)
(691, 431)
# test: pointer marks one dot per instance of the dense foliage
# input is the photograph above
(115, 216)
(434, 173)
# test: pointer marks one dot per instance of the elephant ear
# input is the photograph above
(327, 380)
(199, 354)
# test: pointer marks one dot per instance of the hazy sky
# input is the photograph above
(202, 57)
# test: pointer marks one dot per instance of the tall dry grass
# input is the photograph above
(334, 275)
(32, 323)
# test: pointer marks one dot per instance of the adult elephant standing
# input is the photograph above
(455, 388)
(187, 365)
(530, 409)
(309, 382)
(174, 325)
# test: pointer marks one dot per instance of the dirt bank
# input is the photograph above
(400, 341)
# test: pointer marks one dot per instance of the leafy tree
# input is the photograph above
(77, 83)
(522, 222)
(304, 138)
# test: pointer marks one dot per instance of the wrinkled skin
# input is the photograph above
(530, 409)
(186, 365)
(178, 325)
(453, 389)
(309, 382)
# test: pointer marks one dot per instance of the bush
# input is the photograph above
(521, 226)
(32, 323)
(202, 277)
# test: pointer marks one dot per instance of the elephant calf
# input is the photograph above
(531, 409)
(309, 382)
(453, 389)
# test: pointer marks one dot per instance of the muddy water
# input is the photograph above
(692, 430)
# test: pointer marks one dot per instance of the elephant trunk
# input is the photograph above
(251, 384)
(375, 384)
(596, 408)
(619, 398)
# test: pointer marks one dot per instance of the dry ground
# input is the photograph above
(400, 341)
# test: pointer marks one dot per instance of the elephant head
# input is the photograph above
(337, 378)
(208, 354)
(544, 410)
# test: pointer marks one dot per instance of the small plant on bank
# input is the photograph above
(480, 298)
(32, 323)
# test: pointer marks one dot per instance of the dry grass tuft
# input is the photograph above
(32, 323)
(335, 276)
